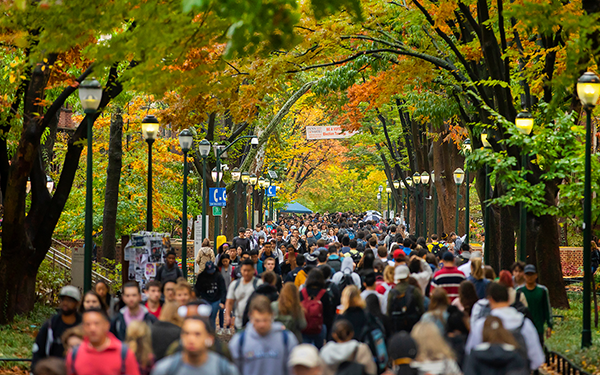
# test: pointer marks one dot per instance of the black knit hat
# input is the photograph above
(401, 345)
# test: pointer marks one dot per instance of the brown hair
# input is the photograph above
(206, 243)
(260, 304)
(76, 331)
(268, 277)
(103, 305)
(439, 300)
(467, 294)
(184, 285)
(495, 333)
(289, 301)
(140, 342)
(388, 274)
(490, 274)
(168, 313)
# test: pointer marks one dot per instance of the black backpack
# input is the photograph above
(346, 281)
(403, 307)
(521, 344)
(351, 367)
(521, 307)
(436, 248)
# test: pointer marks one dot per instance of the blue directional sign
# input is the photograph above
(272, 191)
(217, 197)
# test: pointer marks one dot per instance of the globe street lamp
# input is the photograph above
(186, 139)
(435, 202)
(396, 185)
(236, 175)
(90, 95)
(388, 190)
(524, 123)
(424, 182)
(204, 149)
(487, 210)
(459, 177)
(49, 184)
(253, 181)
(466, 146)
(149, 131)
(588, 90)
(245, 179)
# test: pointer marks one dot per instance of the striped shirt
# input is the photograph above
(448, 278)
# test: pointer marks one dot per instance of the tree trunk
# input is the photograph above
(111, 194)
(548, 261)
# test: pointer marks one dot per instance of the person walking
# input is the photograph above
(538, 302)
(405, 302)
(153, 294)
(48, 340)
(288, 311)
(346, 276)
(434, 355)
(264, 346)
(140, 342)
(477, 277)
(170, 270)
(205, 254)
(318, 308)
(239, 292)
(133, 310)
(167, 330)
(210, 286)
(197, 336)
(100, 349)
(448, 278)
(346, 352)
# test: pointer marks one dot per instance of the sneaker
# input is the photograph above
(219, 331)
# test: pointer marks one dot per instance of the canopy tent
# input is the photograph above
(295, 208)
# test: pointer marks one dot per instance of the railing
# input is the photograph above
(560, 364)
(63, 260)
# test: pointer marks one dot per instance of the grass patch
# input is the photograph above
(16, 339)
(566, 336)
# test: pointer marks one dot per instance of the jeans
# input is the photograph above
(317, 339)
(215, 311)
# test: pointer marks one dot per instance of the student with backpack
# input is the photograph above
(522, 329)
(538, 302)
(334, 260)
(319, 310)
(345, 355)
(367, 327)
(100, 349)
(239, 292)
(346, 276)
(405, 302)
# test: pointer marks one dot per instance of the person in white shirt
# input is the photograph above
(512, 320)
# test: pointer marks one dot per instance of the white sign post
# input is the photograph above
(77, 262)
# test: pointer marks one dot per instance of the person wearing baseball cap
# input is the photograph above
(449, 277)
(210, 286)
(538, 302)
(404, 301)
(304, 360)
(48, 343)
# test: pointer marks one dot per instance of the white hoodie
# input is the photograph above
(334, 354)
(511, 319)
(346, 268)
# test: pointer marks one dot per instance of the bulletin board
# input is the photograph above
(145, 252)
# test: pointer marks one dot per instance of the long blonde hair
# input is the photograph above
(168, 313)
(351, 298)
(388, 274)
(477, 269)
(430, 343)
(140, 342)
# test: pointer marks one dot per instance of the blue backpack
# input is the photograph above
(373, 335)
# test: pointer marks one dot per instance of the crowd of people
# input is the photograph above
(318, 294)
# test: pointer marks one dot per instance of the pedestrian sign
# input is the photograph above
(217, 197)
(217, 211)
(272, 191)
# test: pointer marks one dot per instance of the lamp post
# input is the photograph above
(588, 90)
(459, 177)
(486, 211)
(149, 131)
(261, 185)
(90, 95)
(409, 183)
(204, 149)
(466, 146)
(236, 175)
(185, 141)
(245, 177)
(388, 190)
(396, 185)
(424, 182)
(219, 152)
(253, 181)
(435, 202)
(524, 123)
(417, 181)
(380, 188)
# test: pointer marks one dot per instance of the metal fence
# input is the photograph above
(560, 364)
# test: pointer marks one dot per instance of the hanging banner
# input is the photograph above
(327, 132)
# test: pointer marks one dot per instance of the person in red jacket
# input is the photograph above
(101, 353)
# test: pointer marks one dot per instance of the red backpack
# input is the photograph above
(313, 311)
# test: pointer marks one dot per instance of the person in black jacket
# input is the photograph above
(134, 310)
(315, 282)
(167, 330)
(210, 286)
(48, 341)
(268, 289)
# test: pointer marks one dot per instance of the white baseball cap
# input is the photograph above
(304, 355)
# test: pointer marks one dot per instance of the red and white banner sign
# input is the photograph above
(327, 132)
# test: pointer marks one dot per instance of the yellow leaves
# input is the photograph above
(11, 78)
